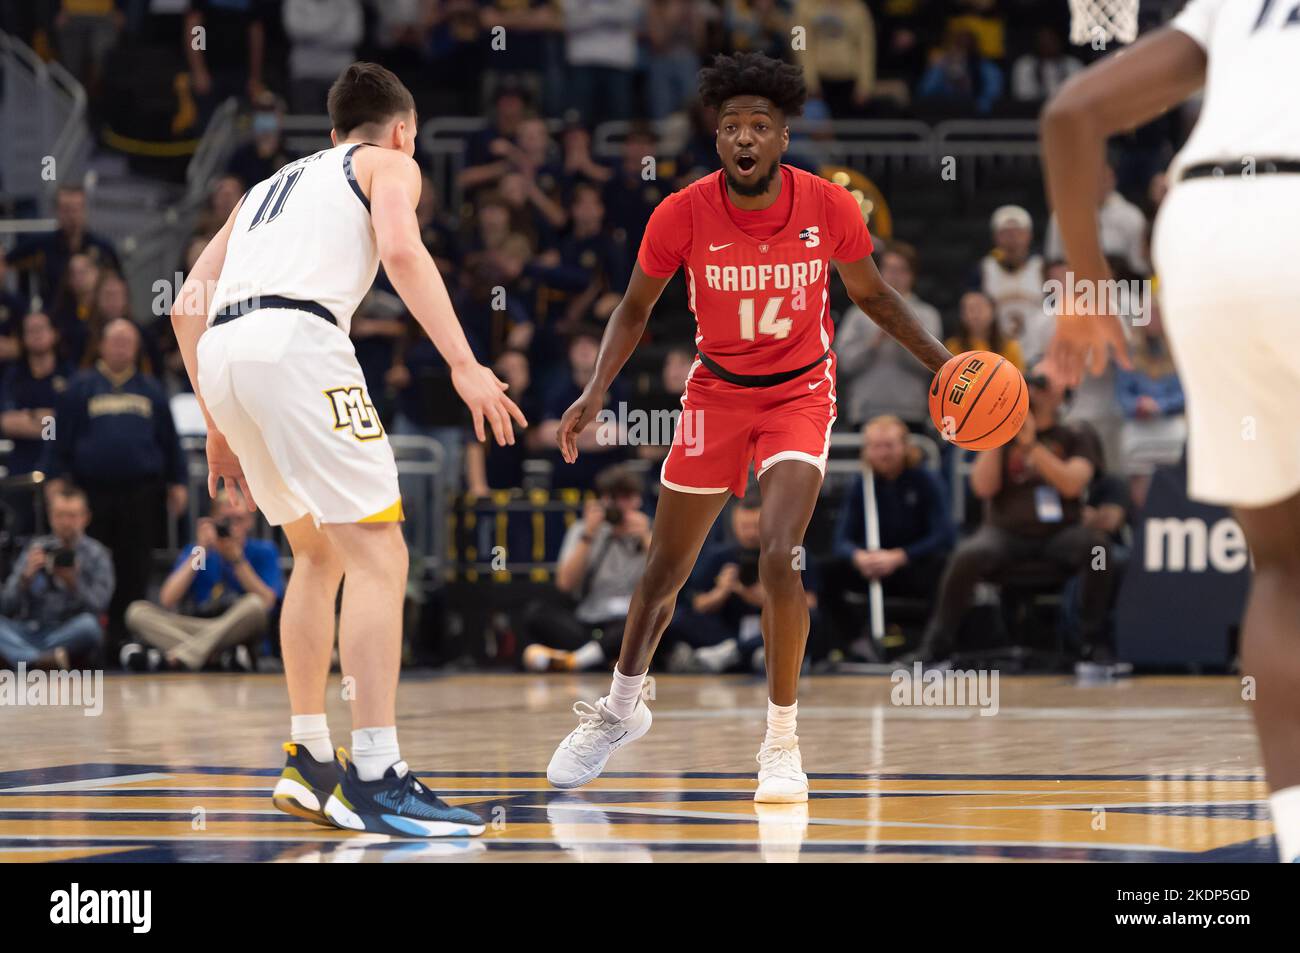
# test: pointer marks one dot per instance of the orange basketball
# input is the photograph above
(978, 400)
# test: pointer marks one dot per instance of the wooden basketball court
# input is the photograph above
(180, 767)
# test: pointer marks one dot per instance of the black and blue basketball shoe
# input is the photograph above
(396, 804)
(305, 784)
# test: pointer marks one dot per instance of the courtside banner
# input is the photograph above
(1185, 587)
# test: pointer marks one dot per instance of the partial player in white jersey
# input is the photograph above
(262, 322)
(1225, 248)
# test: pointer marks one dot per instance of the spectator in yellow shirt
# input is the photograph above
(980, 331)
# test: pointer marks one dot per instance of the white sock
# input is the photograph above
(1285, 807)
(374, 751)
(588, 656)
(312, 733)
(780, 721)
(623, 693)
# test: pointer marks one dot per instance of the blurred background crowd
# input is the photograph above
(568, 122)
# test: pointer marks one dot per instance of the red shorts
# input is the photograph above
(724, 426)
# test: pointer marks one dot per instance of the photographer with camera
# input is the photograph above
(61, 585)
(231, 585)
(601, 559)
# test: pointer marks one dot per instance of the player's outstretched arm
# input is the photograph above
(1117, 93)
(189, 320)
(885, 306)
(395, 184)
(626, 325)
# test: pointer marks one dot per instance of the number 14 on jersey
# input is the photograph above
(768, 322)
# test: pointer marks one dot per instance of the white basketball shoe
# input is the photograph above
(582, 755)
(780, 773)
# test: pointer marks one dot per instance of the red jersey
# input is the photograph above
(757, 279)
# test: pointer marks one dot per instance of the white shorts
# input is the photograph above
(285, 389)
(1226, 252)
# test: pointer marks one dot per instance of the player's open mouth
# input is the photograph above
(746, 164)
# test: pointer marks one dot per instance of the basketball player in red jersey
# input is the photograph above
(757, 240)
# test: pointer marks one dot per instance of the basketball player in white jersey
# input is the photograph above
(291, 425)
(1226, 243)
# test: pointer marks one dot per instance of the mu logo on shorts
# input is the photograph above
(354, 411)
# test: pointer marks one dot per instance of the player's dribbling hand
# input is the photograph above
(580, 413)
(223, 465)
(484, 394)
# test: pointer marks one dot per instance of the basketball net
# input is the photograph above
(1104, 20)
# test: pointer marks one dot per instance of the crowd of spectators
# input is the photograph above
(536, 254)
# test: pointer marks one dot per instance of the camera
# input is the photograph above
(222, 528)
(64, 558)
(613, 514)
(748, 567)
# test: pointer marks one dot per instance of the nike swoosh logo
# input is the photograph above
(816, 385)
(713, 247)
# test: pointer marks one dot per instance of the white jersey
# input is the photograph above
(1252, 86)
(304, 234)
(1018, 297)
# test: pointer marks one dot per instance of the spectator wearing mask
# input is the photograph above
(29, 389)
(1034, 488)
(116, 439)
(263, 156)
(1036, 76)
(59, 587)
(980, 330)
(221, 594)
(323, 39)
(839, 57)
(602, 557)
(1012, 277)
(44, 258)
(877, 375)
(916, 530)
(960, 79)
(717, 625)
